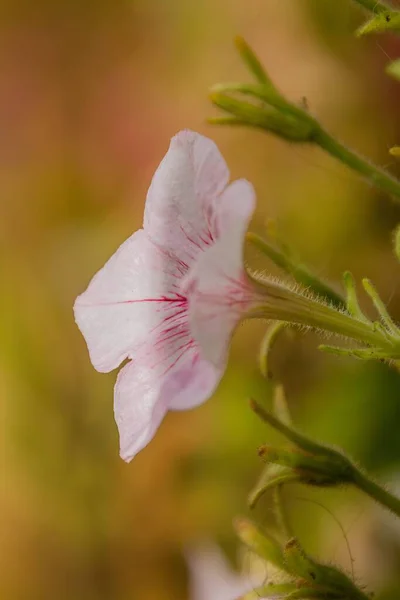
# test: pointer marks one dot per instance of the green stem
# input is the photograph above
(374, 174)
(345, 471)
(276, 302)
(291, 434)
(300, 273)
(281, 512)
(378, 493)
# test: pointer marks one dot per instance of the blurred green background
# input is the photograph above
(90, 93)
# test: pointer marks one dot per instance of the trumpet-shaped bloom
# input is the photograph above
(154, 302)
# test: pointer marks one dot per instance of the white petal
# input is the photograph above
(144, 393)
(138, 408)
(180, 202)
(218, 289)
(235, 206)
(212, 578)
(192, 383)
(123, 302)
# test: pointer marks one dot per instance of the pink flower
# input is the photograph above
(157, 303)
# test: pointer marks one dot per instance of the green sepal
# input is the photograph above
(251, 60)
(271, 97)
(388, 20)
(272, 476)
(330, 579)
(225, 120)
(381, 308)
(311, 469)
(261, 116)
(360, 353)
(352, 304)
(336, 350)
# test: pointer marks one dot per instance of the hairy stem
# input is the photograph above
(345, 471)
(378, 493)
(299, 272)
(279, 303)
(361, 165)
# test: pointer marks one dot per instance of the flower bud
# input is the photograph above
(262, 116)
(328, 580)
(319, 470)
(388, 20)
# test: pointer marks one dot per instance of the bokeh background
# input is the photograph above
(90, 93)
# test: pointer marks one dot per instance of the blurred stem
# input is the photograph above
(271, 335)
(298, 439)
(281, 409)
(270, 111)
(376, 175)
(373, 6)
(300, 273)
(351, 473)
(281, 513)
(378, 493)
